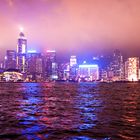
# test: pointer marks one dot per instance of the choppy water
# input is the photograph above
(70, 111)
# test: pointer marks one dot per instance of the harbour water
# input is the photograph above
(70, 111)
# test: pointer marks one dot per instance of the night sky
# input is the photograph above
(73, 26)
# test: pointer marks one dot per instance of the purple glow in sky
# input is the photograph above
(71, 25)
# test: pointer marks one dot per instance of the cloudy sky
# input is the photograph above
(71, 25)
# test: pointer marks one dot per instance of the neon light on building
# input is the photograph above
(88, 66)
(12, 76)
(50, 51)
(88, 72)
(32, 51)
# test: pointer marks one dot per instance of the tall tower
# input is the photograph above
(117, 66)
(51, 70)
(73, 61)
(21, 52)
(73, 68)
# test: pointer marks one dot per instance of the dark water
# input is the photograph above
(70, 111)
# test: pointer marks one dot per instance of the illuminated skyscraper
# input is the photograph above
(51, 68)
(117, 66)
(73, 68)
(21, 53)
(34, 65)
(132, 69)
(10, 59)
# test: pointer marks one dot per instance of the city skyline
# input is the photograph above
(72, 26)
(30, 65)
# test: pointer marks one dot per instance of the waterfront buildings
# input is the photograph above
(37, 66)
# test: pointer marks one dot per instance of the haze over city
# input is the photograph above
(72, 26)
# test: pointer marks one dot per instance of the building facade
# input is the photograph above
(10, 59)
(132, 69)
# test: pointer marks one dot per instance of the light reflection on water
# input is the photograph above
(73, 111)
(88, 106)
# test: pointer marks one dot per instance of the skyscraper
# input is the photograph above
(132, 69)
(51, 68)
(21, 53)
(10, 59)
(73, 67)
(117, 66)
(34, 65)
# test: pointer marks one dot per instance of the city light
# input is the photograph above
(23, 48)
(21, 29)
(84, 62)
(32, 51)
(12, 76)
(88, 66)
(51, 51)
(5, 57)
